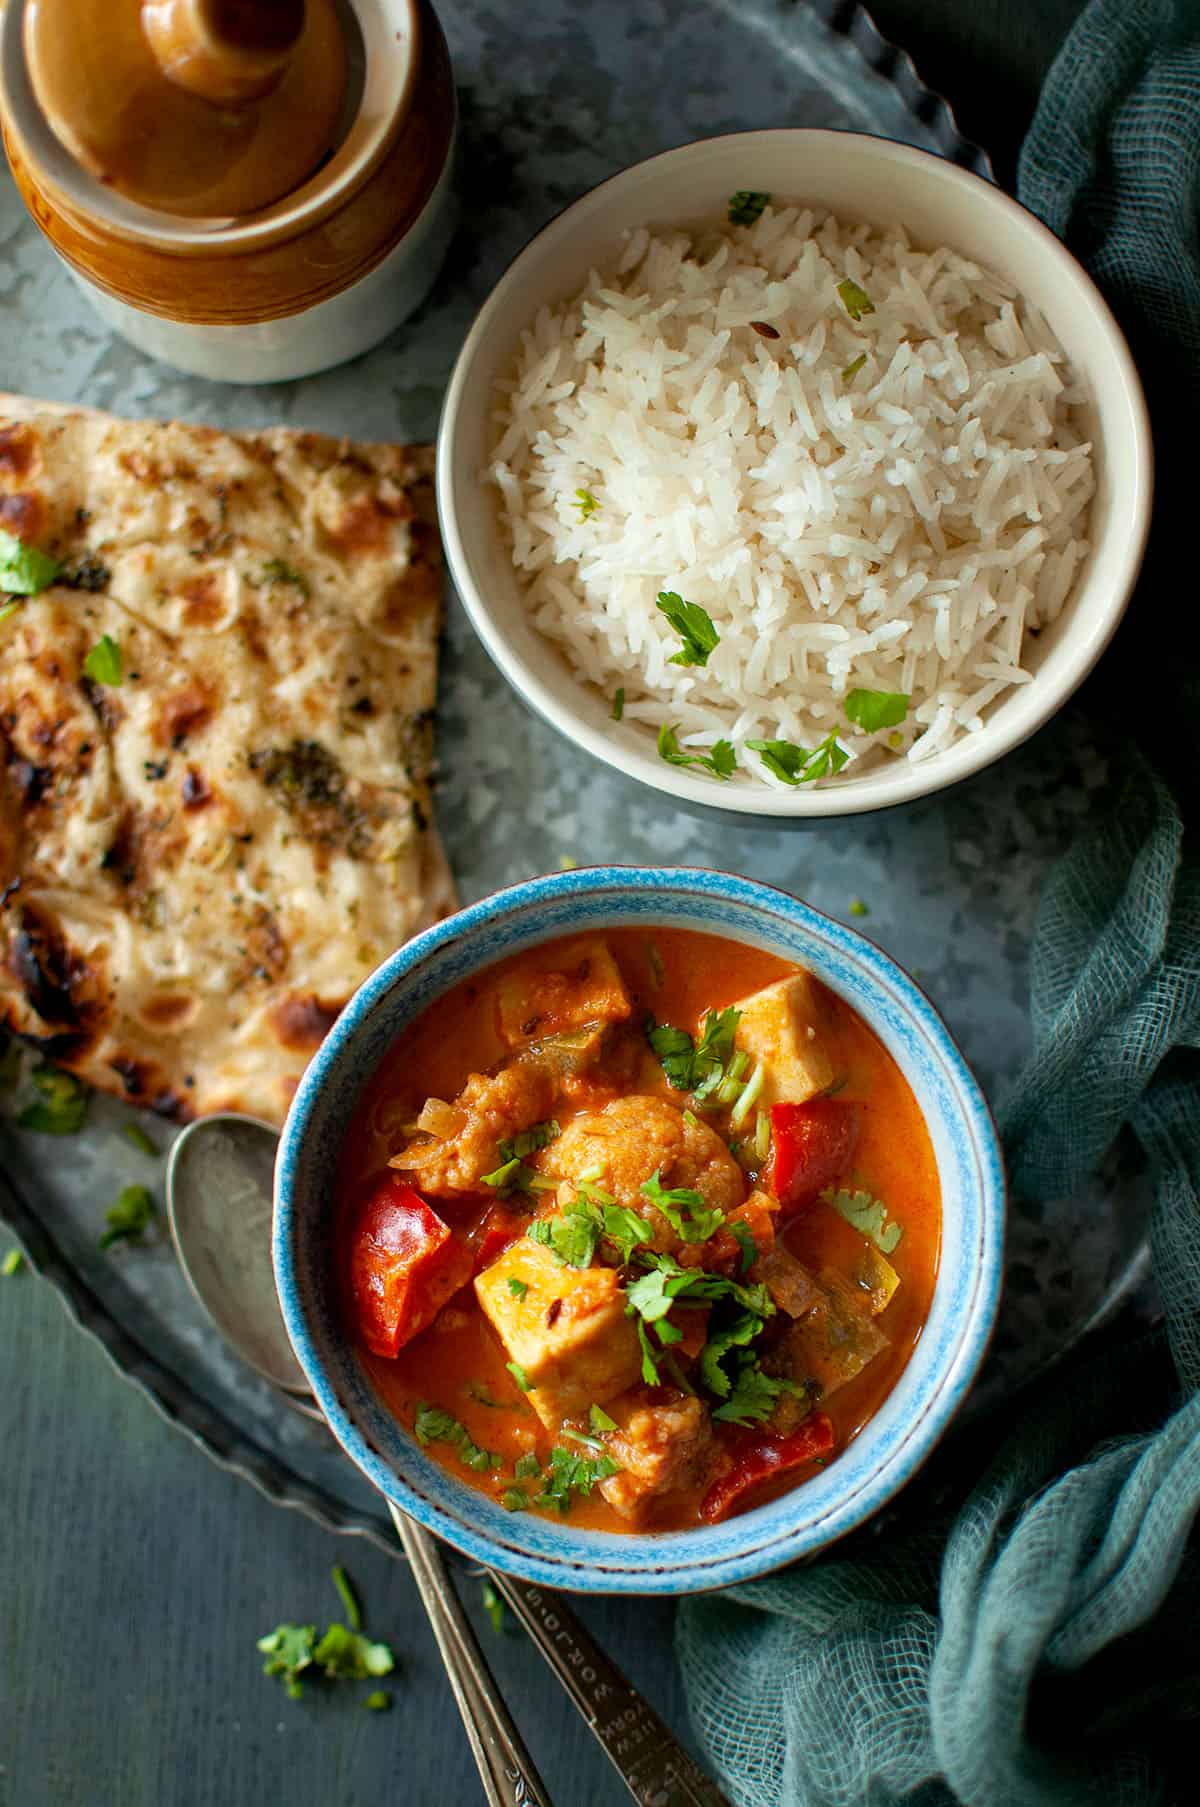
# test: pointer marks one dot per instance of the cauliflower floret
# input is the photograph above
(662, 1450)
(490, 1110)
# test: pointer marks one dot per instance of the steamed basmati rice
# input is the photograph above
(894, 503)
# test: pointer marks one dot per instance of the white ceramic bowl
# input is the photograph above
(858, 178)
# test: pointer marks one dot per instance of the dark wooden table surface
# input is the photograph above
(135, 1575)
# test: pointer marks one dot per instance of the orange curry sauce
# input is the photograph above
(458, 1362)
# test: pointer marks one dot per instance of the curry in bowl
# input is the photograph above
(637, 1227)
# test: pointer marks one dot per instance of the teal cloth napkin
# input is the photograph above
(1026, 1633)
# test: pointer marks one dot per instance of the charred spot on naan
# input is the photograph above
(63, 986)
(20, 451)
(23, 514)
(302, 1022)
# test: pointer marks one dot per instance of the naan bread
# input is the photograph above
(200, 864)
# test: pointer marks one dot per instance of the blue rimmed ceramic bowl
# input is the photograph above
(891, 1446)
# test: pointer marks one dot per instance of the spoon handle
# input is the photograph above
(505, 1767)
(653, 1765)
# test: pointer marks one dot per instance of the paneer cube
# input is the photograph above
(784, 1028)
(663, 1450)
(565, 1327)
(582, 992)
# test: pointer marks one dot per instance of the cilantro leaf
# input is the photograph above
(721, 760)
(685, 1210)
(347, 1595)
(695, 1066)
(586, 503)
(745, 1240)
(275, 571)
(648, 1295)
(433, 1425)
(676, 1052)
(693, 625)
(513, 1175)
(518, 1288)
(854, 299)
(875, 709)
(378, 1701)
(515, 1499)
(129, 1217)
(526, 1466)
(570, 1474)
(649, 1364)
(867, 1215)
(754, 1394)
(618, 703)
(493, 1606)
(625, 1229)
(599, 1420)
(347, 1655)
(736, 1335)
(61, 1107)
(103, 664)
(519, 1375)
(746, 206)
(14, 1261)
(289, 1652)
(24, 570)
(801, 765)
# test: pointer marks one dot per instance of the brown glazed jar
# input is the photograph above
(293, 285)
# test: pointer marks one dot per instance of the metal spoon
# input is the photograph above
(219, 1187)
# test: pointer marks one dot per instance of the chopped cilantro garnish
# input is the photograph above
(871, 710)
(698, 1066)
(600, 1420)
(515, 1499)
(573, 1236)
(275, 571)
(103, 663)
(62, 1106)
(625, 1229)
(685, 1210)
(854, 366)
(735, 1335)
(378, 1701)
(649, 1361)
(136, 1134)
(867, 1215)
(433, 1425)
(519, 1375)
(745, 1240)
(588, 1442)
(693, 625)
(289, 1652)
(586, 503)
(14, 1261)
(493, 1606)
(24, 570)
(854, 299)
(347, 1596)
(129, 1218)
(754, 1393)
(527, 1466)
(518, 1288)
(347, 1655)
(720, 760)
(513, 1175)
(858, 907)
(618, 704)
(801, 765)
(746, 206)
(570, 1474)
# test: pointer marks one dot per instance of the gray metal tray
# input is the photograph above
(552, 101)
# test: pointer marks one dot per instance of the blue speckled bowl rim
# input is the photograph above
(894, 1443)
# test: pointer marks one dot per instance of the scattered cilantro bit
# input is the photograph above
(275, 571)
(134, 1133)
(378, 1701)
(513, 1175)
(24, 570)
(129, 1218)
(519, 1375)
(527, 1466)
(746, 206)
(62, 1106)
(618, 704)
(801, 765)
(14, 1261)
(735, 1335)
(518, 1288)
(874, 709)
(676, 1052)
(867, 1215)
(858, 907)
(289, 1652)
(347, 1655)
(600, 1420)
(348, 1597)
(566, 863)
(754, 1394)
(855, 300)
(895, 742)
(649, 1360)
(721, 760)
(693, 625)
(586, 503)
(745, 1240)
(569, 1475)
(433, 1425)
(588, 1442)
(493, 1606)
(481, 1396)
(515, 1499)
(625, 1229)
(699, 1066)
(685, 1210)
(103, 663)
(854, 366)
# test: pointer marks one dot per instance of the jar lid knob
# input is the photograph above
(228, 51)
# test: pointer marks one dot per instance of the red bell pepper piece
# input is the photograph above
(812, 1145)
(499, 1228)
(760, 1459)
(404, 1264)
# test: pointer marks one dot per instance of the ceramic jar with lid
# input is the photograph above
(251, 190)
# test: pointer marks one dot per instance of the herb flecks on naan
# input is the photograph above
(214, 746)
